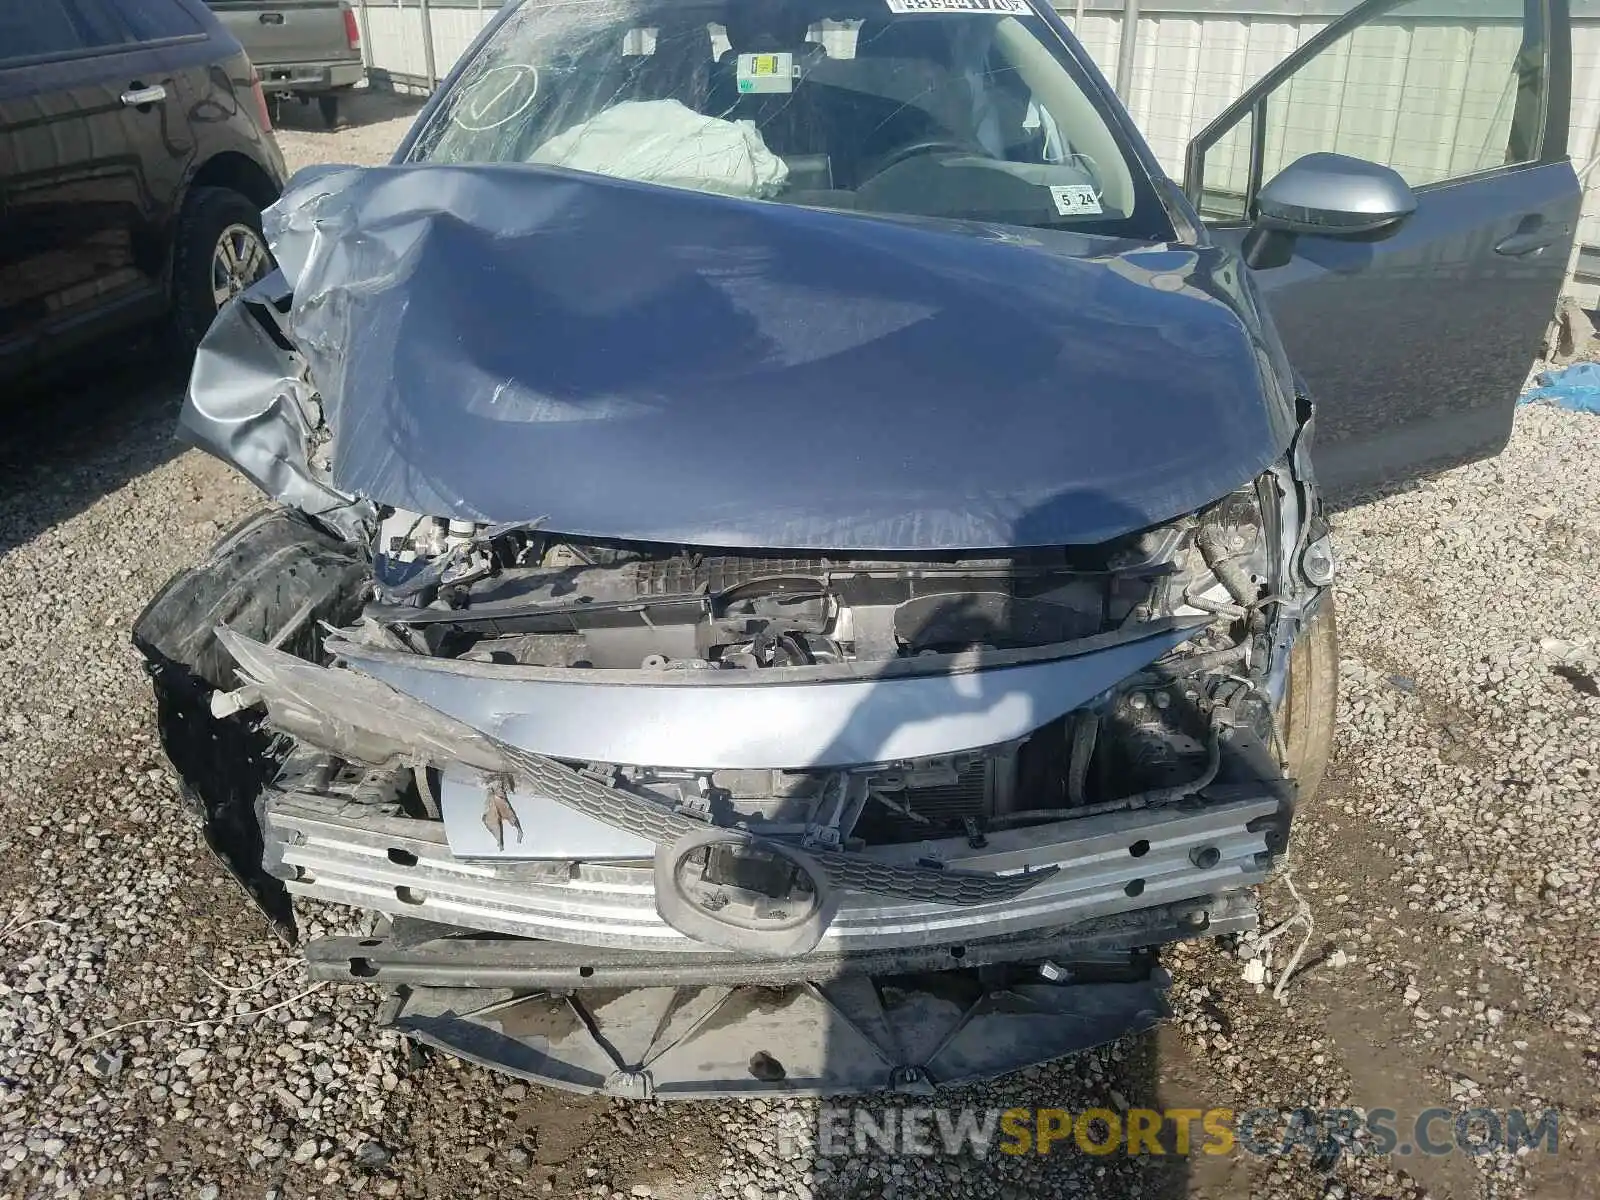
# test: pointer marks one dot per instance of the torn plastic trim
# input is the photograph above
(275, 576)
(802, 718)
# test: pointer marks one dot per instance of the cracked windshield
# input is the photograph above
(957, 109)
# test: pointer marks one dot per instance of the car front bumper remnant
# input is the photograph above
(569, 972)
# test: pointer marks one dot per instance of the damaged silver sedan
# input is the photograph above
(795, 568)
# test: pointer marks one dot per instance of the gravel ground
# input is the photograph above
(371, 125)
(156, 1039)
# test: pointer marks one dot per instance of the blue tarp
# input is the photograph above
(1576, 388)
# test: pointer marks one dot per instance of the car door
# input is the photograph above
(172, 45)
(1414, 345)
(81, 107)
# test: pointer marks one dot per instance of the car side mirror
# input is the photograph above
(1330, 195)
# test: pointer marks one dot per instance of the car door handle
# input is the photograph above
(271, 18)
(1533, 234)
(138, 97)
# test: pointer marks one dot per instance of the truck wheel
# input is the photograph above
(220, 251)
(328, 106)
(1311, 706)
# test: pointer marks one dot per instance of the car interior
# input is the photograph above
(958, 115)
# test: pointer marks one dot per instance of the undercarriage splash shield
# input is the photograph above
(848, 1035)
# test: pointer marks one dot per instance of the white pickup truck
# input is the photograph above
(309, 49)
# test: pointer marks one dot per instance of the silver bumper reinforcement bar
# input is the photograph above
(1114, 863)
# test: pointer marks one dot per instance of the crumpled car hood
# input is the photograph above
(500, 344)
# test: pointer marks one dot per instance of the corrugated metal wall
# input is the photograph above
(1432, 95)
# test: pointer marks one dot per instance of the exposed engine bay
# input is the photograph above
(476, 594)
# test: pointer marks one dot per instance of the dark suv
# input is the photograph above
(136, 155)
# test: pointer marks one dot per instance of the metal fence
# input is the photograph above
(1435, 86)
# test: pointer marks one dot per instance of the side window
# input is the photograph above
(153, 20)
(98, 21)
(1436, 89)
(1012, 123)
(48, 29)
(1229, 187)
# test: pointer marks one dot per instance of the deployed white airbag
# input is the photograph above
(665, 142)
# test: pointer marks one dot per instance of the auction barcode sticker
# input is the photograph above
(1009, 8)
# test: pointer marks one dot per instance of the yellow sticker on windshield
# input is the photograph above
(765, 72)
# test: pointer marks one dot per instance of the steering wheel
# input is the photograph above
(929, 145)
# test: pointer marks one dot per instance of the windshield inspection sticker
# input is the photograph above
(1005, 8)
(765, 73)
(1075, 199)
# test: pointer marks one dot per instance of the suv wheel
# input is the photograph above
(220, 252)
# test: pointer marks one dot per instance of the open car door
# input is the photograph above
(1413, 340)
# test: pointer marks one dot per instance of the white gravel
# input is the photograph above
(371, 124)
(154, 1037)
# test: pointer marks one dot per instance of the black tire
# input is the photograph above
(328, 106)
(270, 570)
(207, 214)
(1311, 706)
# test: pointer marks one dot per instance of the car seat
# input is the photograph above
(789, 122)
(679, 69)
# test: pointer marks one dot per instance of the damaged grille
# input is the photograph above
(932, 883)
(720, 573)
